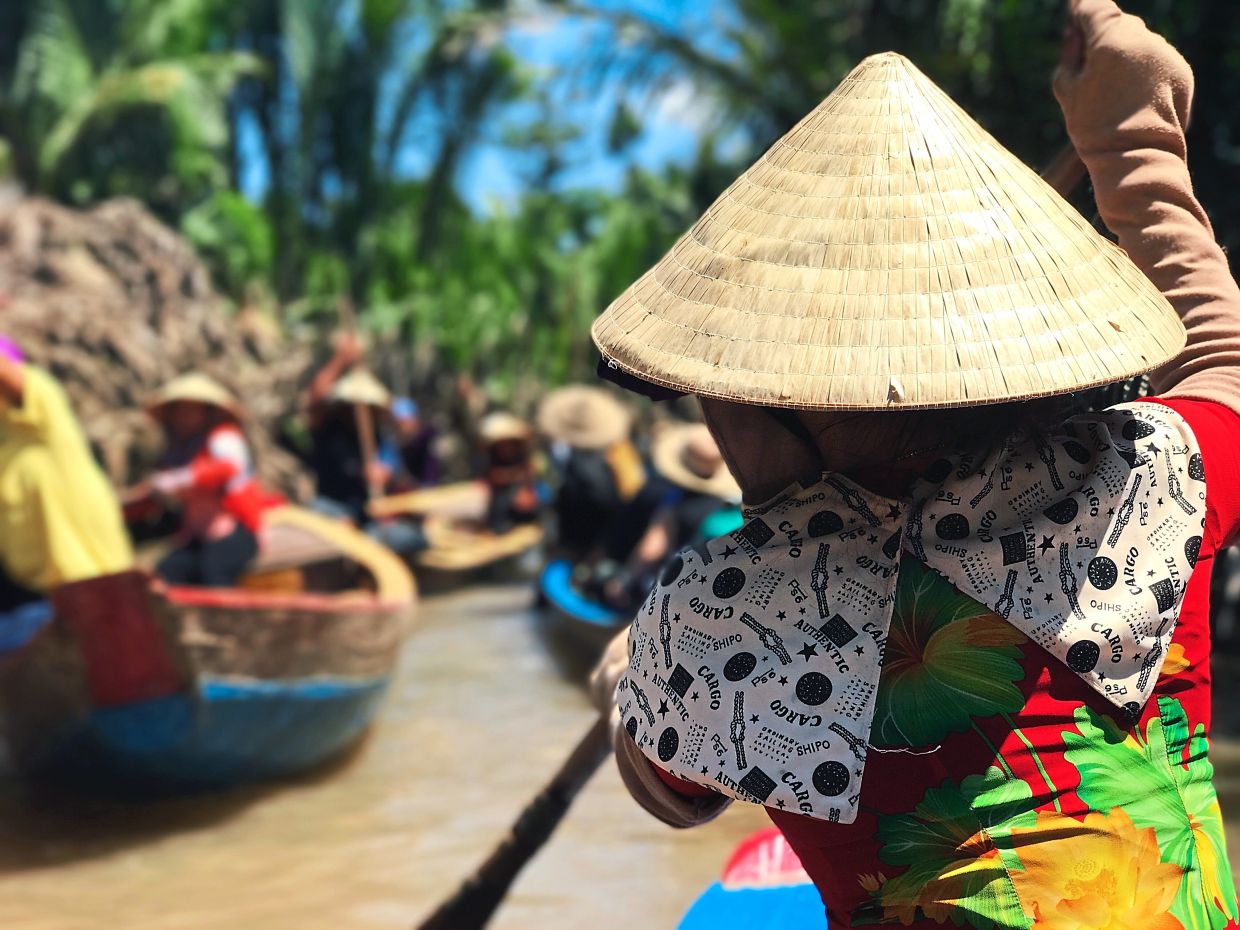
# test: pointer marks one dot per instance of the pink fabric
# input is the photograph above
(10, 350)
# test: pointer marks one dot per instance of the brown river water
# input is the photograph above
(484, 709)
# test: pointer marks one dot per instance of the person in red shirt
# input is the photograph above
(960, 650)
(206, 469)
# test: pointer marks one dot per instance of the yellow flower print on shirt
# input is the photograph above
(1109, 876)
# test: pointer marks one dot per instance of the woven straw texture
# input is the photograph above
(889, 253)
(673, 452)
(583, 416)
(199, 388)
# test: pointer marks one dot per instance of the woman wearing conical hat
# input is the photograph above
(695, 492)
(343, 476)
(959, 650)
(599, 472)
(207, 469)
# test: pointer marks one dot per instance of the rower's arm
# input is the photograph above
(348, 352)
(1126, 95)
(12, 381)
(676, 803)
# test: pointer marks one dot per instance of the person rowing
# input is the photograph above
(348, 408)
(959, 650)
(509, 473)
(207, 470)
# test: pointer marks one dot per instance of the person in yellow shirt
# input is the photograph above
(59, 517)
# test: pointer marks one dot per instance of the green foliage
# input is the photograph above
(110, 98)
(168, 100)
(234, 238)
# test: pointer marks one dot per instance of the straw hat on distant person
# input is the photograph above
(687, 456)
(888, 253)
(197, 388)
(584, 417)
(359, 386)
(502, 426)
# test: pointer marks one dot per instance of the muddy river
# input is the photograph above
(483, 711)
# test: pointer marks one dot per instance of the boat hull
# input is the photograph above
(191, 687)
(763, 887)
(591, 624)
(229, 732)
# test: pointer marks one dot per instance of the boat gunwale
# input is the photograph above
(240, 599)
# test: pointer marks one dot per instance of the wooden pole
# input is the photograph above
(363, 416)
(476, 901)
(1065, 171)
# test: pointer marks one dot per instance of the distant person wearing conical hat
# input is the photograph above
(507, 444)
(207, 470)
(59, 517)
(698, 490)
(599, 470)
(344, 479)
(959, 650)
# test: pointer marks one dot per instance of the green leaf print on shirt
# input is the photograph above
(1163, 781)
(948, 659)
(957, 846)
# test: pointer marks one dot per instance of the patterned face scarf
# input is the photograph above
(756, 658)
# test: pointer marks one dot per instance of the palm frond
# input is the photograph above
(53, 66)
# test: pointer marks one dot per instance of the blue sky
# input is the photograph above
(552, 45)
(555, 48)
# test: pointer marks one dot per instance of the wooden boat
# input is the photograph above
(592, 624)
(763, 887)
(464, 499)
(133, 681)
(460, 547)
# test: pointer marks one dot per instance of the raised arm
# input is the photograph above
(12, 381)
(1126, 95)
(348, 353)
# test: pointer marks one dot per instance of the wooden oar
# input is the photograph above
(363, 416)
(1065, 171)
(478, 898)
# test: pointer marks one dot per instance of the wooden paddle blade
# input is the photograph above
(476, 901)
(1065, 171)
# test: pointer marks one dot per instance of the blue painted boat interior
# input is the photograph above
(557, 585)
(781, 908)
(230, 731)
(19, 626)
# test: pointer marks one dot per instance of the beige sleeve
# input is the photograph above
(1126, 111)
(653, 794)
(647, 789)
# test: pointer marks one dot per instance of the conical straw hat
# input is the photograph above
(198, 388)
(585, 417)
(687, 456)
(359, 386)
(888, 253)
(501, 425)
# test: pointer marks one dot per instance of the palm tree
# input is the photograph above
(100, 98)
(356, 84)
